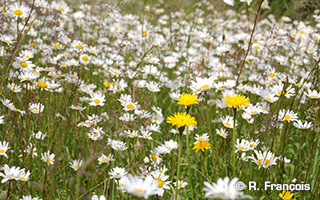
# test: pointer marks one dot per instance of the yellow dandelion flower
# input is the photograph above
(107, 84)
(236, 101)
(182, 119)
(201, 145)
(286, 195)
(187, 100)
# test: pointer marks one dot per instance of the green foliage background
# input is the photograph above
(295, 9)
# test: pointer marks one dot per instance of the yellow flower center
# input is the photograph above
(104, 160)
(271, 75)
(180, 185)
(130, 106)
(282, 92)
(139, 190)
(48, 160)
(42, 84)
(79, 46)
(287, 117)
(227, 124)
(204, 87)
(76, 167)
(56, 46)
(22, 178)
(2, 151)
(160, 182)
(242, 148)
(85, 58)
(144, 33)
(24, 64)
(266, 162)
(97, 101)
(18, 12)
(154, 157)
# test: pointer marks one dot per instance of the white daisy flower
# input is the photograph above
(75, 164)
(141, 187)
(47, 157)
(265, 159)
(4, 146)
(97, 99)
(298, 124)
(224, 189)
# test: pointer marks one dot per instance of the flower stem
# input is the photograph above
(234, 143)
(188, 146)
(250, 42)
(178, 170)
(189, 161)
(113, 189)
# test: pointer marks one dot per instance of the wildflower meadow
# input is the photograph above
(158, 99)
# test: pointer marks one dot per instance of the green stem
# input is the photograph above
(178, 170)
(189, 161)
(188, 146)
(315, 163)
(234, 144)
(113, 189)
(250, 42)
